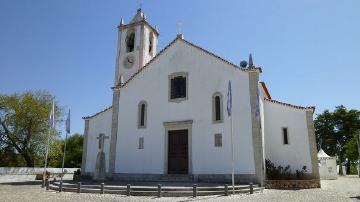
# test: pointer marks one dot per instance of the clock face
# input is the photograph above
(129, 61)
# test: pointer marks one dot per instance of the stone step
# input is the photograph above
(176, 178)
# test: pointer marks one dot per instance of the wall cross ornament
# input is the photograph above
(101, 139)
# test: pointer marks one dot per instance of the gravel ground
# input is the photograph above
(343, 189)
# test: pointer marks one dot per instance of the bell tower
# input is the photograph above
(137, 42)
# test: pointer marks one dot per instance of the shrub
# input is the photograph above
(283, 173)
(77, 172)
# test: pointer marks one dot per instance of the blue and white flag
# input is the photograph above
(229, 99)
(51, 122)
(68, 123)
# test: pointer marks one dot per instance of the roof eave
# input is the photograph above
(308, 108)
(92, 116)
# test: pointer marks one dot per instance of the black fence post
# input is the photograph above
(128, 189)
(60, 186)
(159, 190)
(102, 188)
(79, 187)
(226, 190)
(251, 188)
(47, 184)
(194, 190)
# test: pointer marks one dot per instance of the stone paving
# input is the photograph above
(343, 189)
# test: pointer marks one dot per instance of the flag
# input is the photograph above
(229, 99)
(51, 123)
(68, 123)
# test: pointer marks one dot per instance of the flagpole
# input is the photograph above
(229, 109)
(52, 126)
(232, 155)
(64, 153)
(63, 160)
(46, 157)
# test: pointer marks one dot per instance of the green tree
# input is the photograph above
(73, 156)
(56, 153)
(24, 124)
(325, 133)
(74, 150)
(351, 147)
(9, 158)
(335, 131)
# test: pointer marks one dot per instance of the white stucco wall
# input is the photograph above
(207, 75)
(327, 168)
(297, 152)
(101, 123)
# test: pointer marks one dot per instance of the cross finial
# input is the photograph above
(179, 27)
(140, 5)
(251, 64)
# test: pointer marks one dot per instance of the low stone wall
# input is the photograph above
(22, 174)
(292, 184)
(32, 171)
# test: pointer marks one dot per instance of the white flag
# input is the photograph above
(229, 99)
(68, 123)
(52, 116)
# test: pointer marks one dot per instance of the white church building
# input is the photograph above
(169, 117)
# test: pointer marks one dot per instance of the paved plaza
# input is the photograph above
(343, 189)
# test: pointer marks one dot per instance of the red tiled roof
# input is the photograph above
(89, 117)
(312, 108)
(267, 94)
(255, 69)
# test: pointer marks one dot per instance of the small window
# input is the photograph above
(285, 135)
(178, 87)
(141, 143)
(218, 140)
(150, 43)
(142, 114)
(130, 41)
(217, 108)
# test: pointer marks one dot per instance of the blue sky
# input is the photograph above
(309, 50)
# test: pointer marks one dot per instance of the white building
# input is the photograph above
(327, 166)
(169, 116)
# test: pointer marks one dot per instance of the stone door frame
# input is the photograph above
(178, 125)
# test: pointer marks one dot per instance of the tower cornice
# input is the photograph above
(142, 22)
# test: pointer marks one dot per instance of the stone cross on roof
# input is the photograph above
(179, 25)
(101, 139)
